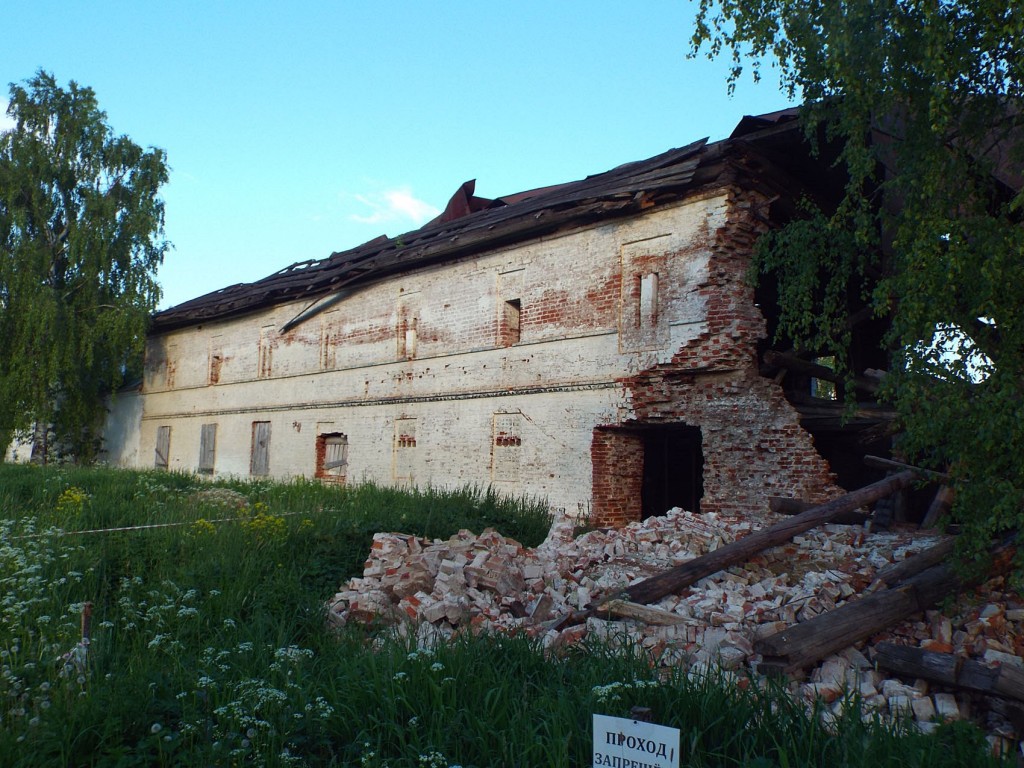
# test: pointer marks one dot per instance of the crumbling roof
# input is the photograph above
(471, 224)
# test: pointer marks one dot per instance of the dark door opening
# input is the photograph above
(673, 469)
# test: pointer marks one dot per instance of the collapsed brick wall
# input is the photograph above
(752, 443)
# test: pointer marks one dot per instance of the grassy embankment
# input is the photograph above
(209, 646)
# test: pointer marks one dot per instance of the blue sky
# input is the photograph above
(294, 131)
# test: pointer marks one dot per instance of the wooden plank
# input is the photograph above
(259, 464)
(207, 447)
(627, 610)
(668, 582)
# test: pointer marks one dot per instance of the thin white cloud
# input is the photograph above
(6, 123)
(397, 204)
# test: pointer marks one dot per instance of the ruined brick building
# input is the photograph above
(595, 343)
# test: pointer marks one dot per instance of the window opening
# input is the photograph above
(648, 307)
(510, 322)
(163, 447)
(332, 457)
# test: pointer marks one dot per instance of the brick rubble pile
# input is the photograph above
(487, 582)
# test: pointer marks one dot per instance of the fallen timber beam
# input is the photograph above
(891, 464)
(782, 505)
(948, 669)
(668, 582)
(789, 361)
(896, 572)
(802, 645)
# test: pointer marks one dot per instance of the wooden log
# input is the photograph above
(940, 506)
(897, 572)
(882, 463)
(652, 589)
(782, 505)
(916, 662)
(804, 644)
(948, 669)
(792, 362)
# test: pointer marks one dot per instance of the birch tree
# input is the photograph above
(81, 237)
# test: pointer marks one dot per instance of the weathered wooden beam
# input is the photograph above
(940, 506)
(782, 505)
(804, 644)
(896, 573)
(792, 362)
(645, 613)
(915, 662)
(882, 463)
(948, 669)
(668, 582)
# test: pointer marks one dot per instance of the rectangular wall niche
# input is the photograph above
(328, 340)
(207, 448)
(405, 451)
(259, 460)
(163, 447)
(507, 448)
(266, 351)
(216, 359)
(510, 307)
(332, 457)
(643, 324)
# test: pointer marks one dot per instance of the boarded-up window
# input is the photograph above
(405, 451)
(259, 462)
(207, 448)
(332, 457)
(163, 447)
(265, 362)
(507, 449)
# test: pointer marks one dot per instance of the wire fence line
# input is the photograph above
(150, 526)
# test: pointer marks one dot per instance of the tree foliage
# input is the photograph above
(924, 99)
(81, 235)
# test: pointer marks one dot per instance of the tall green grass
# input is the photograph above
(209, 645)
